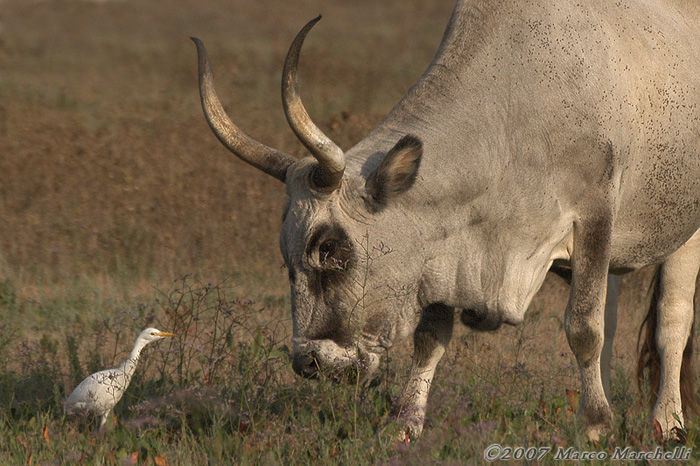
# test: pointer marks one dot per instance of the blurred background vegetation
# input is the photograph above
(109, 169)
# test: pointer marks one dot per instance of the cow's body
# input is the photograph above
(543, 133)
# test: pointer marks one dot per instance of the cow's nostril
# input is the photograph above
(305, 365)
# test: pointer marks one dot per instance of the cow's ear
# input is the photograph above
(396, 173)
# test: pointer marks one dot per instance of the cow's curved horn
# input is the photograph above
(330, 157)
(267, 159)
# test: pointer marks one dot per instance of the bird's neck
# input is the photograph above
(129, 366)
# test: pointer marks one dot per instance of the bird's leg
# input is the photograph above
(103, 420)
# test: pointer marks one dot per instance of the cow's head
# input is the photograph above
(340, 283)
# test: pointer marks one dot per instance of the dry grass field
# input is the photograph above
(120, 209)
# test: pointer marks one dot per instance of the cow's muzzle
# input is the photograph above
(315, 357)
(305, 365)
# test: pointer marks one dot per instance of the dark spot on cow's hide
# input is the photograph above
(434, 319)
(331, 257)
(481, 319)
(331, 251)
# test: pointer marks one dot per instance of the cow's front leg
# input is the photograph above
(432, 335)
(584, 321)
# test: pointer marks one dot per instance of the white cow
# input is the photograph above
(544, 134)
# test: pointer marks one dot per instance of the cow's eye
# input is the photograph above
(334, 255)
(327, 251)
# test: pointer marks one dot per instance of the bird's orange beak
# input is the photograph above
(165, 334)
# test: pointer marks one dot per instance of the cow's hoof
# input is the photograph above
(403, 435)
(596, 431)
(412, 420)
(403, 430)
(678, 435)
(408, 434)
(396, 432)
(672, 434)
(597, 422)
(412, 431)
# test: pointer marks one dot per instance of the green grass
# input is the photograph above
(222, 391)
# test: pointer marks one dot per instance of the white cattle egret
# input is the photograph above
(101, 391)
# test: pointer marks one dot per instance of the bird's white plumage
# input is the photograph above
(101, 391)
